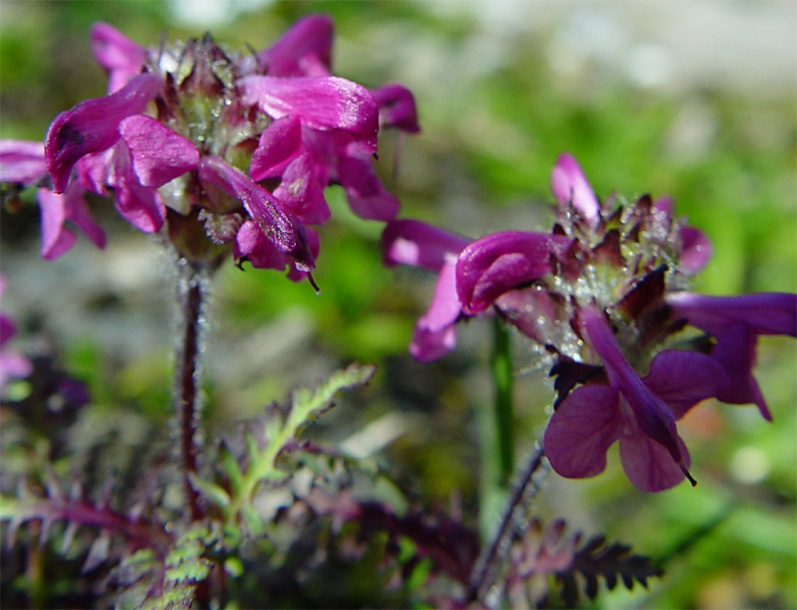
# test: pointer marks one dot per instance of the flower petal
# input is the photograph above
(304, 50)
(649, 465)
(418, 244)
(120, 56)
(301, 194)
(695, 250)
(159, 154)
(581, 431)
(91, 126)
(396, 107)
(7, 329)
(289, 236)
(22, 162)
(279, 144)
(56, 239)
(252, 245)
(570, 187)
(435, 333)
(533, 311)
(142, 207)
(430, 345)
(682, 379)
(652, 414)
(501, 262)
(77, 211)
(736, 352)
(364, 191)
(56, 209)
(320, 102)
(766, 313)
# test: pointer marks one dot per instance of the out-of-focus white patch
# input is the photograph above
(376, 435)
(212, 12)
(650, 65)
(749, 465)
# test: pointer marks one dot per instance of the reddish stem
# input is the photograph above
(191, 292)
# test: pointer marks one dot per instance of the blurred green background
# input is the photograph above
(693, 99)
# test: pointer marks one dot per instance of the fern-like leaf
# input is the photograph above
(547, 553)
(264, 444)
(612, 562)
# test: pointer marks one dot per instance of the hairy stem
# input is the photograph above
(192, 284)
(486, 570)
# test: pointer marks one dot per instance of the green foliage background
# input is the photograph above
(492, 122)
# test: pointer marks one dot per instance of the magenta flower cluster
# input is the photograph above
(227, 151)
(603, 297)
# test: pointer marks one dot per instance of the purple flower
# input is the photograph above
(736, 322)
(417, 244)
(23, 163)
(594, 416)
(639, 412)
(190, 134)
(582, 215)
(601, 300)
(471, 274)
(284, 232)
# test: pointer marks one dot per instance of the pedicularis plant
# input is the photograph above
(223, 154)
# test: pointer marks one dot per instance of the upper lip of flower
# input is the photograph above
(500, 262)
(92, 126)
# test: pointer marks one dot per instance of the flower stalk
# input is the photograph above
(501, 366)
(191, 292)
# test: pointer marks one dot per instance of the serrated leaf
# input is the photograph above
(306, 406)
(231, 468)
(98, 552)
(68, 537)
(215, 493)
(612, 562)
(138, 564)
(252, 449)
(189, 571)
(186, 561)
